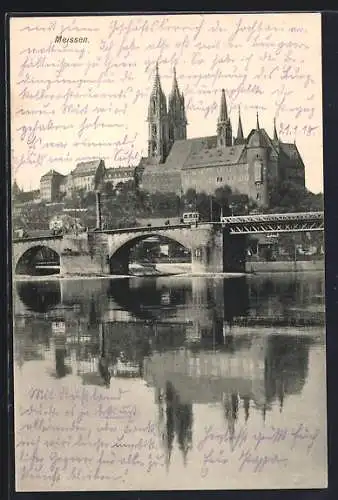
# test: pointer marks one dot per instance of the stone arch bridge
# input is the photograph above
(212, 249)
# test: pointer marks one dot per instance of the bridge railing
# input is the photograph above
(228, 220)
(37, 238)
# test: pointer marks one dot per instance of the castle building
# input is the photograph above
(252, 165)
(50, 186)
(119, 175)
(87, 175)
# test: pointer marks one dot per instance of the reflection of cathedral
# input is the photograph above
(115, 330)
(175, 421)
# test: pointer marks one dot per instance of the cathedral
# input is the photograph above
(251, 165)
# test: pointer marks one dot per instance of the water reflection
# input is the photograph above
(193, 341)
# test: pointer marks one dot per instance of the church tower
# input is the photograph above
(176, 114)
(224, 129)
(158, 134)
(240, 136)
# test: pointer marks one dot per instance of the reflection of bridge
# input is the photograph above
(205, 307)
(212, 245)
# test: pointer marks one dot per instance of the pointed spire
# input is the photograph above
(157, 81)
(175, 79)
(223, 113)
(257, 121)
(175, 90)
(275, 135)
(240, 134)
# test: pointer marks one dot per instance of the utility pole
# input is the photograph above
(98, 210)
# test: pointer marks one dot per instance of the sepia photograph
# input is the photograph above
(168, 260)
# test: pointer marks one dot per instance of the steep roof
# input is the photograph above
(291, 151)
(261, 137)
(197, 152)
(182, 150)
(145, 162)
(86, 168)
(215, 156)
(50, 174)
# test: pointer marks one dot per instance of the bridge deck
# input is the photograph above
(237, 224)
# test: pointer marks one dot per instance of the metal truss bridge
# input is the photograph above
(274, 223)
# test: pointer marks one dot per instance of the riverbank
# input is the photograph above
(285, 266)
(184, 269)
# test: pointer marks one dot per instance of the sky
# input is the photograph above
(76, 101)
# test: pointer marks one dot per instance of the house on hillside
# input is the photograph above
(50, 186)
(87, 175)
(119, 175)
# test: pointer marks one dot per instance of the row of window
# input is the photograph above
(237, 177)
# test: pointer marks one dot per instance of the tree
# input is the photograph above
(223, 195)
(16, 191)
(108, 188)
(290, 197)
(190, 199)
(204, 205)
(222, 200)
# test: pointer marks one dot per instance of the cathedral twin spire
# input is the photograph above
(165, 127)
(224, 129)
(169, 124)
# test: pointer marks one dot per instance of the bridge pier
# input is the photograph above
(234, 252)
(78, 257)
(208, 257)
(222, 252)
(79, 265)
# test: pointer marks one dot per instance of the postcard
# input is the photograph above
(168, 252)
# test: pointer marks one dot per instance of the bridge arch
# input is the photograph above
(37, 259)
(119, 253)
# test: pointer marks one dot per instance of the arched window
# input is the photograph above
(258, 172)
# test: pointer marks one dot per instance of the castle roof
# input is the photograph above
(291, 151)
(182, 150)
(260, 138)
(215, 156)
(256, 139)
(197, 152)
(86, 168)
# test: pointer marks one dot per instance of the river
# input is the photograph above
(216, 383)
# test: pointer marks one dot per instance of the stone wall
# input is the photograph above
(158, 179)
(208, 179)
